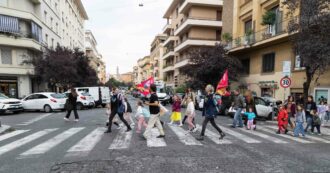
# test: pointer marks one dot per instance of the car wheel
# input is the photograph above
(80, 106)
(47, 109)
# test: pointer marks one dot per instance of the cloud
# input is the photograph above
(124, 30)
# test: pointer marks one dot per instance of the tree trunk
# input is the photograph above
(307, 83)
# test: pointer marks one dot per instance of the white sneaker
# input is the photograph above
(66, 119)
(76, 120)
(170, 123)
(194, 130)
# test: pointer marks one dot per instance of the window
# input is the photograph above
(246, 66)
(46, 39)
(56, 28)
(299, 64)
(56, 8)
(268, 63)
(219, 15)
(52, 42)
(218, 34)
(177, 12)
(40, 96)
(247, 26)
(51, 23)
(6, 56)
(36, 32)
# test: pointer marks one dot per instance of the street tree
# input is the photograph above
(87, 76)
(207, 65)
(310, 33)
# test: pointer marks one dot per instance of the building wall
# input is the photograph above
(203, 12)
(227, 16)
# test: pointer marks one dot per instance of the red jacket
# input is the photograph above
(282, 117)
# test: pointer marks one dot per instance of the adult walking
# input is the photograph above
(117, 106)
(192, 96)
(155, 113)
(71, 105)
(209, 112)
(239, 105)
(310, 107)
(291, 109)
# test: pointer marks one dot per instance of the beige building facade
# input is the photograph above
(144, 70)
(96, 60)
(156, 56)
(266, 49)
(26, 27)
(126, 77)
(190, 24)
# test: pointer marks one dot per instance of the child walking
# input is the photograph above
(250, 116)
(316, 123)
(114, 121)
(300, 117)
(190, 112)
(140, 117)
(176, 111)
(322, 111)
(282, 120)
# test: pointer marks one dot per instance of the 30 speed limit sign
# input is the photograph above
(285, 82)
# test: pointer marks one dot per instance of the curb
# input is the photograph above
(3, 128)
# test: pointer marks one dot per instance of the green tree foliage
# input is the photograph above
(310, 33)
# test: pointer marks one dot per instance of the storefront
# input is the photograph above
(8, 86)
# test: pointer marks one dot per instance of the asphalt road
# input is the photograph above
(46, 143)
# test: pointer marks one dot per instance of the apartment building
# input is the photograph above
(144, 69)
(135, 75)
(126, 77)
(265, 48)
(156, 56)
(26, 26)
(94, 56)
(190, 24)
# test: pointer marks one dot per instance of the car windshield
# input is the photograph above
(85, 94)
(2, 96)
(58, 96)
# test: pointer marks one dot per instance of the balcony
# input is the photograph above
(270, 34)
(168, 53)
(189, 42)
(169, 40)
(167, 28)
(168, 67)
(194, 21)
(207, 3)
(181, 63)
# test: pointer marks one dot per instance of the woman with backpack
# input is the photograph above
(117, 106)
(71, 105)
(209, 112)
(140, 116)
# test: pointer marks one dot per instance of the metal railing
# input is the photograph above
(197, 18)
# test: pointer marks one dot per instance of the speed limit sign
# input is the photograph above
(285, 82)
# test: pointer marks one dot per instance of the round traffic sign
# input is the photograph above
(285, 82)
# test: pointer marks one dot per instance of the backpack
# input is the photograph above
(316, 120)
(121, 107)
(145, 113)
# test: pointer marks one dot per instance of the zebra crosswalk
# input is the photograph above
(88, 138)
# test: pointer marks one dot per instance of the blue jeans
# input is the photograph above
(309, 122)
(238, 117)
(299, 129)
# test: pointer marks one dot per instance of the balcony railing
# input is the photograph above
(168, 65)
(197, 18)
(168, 51)
(268, 32)
(198, 38)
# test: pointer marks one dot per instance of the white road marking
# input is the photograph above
(184, 136)
(262, 135)
(284, 136)
(51, 143)
(239, 135)
(122, 140)
(34, 120)
(152, 141)
(308, 136)
(84, 146)
(23, 141)
(12, 134)
(214, 137)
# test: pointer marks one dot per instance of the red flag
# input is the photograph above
(223, 84)
(143, 87)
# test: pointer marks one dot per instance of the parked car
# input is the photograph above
(45, 101)
(101, 95)
(84, 100)
(263, 109)
(9, 104)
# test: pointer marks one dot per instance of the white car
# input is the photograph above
(9, 104)
(84, 100)
(101, 94)
(46, 101)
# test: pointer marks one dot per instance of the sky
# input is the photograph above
(123, 30)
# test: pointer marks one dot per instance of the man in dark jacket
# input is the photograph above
(239, 105)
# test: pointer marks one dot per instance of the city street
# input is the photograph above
(45, 142)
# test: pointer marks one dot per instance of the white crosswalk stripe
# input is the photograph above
(12, 134)
(240, 136)
(307, 136)
(51, 143)
(122, 140)
(23, 141)
(184, 136)
(262, 135)
(152, 141)
(285, 136)
(84, 146)
(34, 120)
(213, 136)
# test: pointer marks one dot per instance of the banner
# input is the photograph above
(223, 84)
(143, 87)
